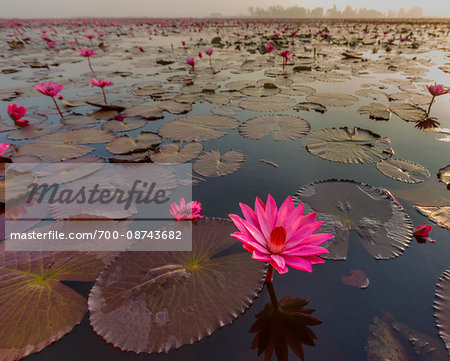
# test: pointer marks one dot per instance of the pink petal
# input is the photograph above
(317, 239)
(261, 256)
(279, 264)
(298, 263)
(249, 214)
(249, 241)
(301, 234)
(285, 209)
(271, 212)
(306, 251)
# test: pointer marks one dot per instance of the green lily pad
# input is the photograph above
(158, 301)
(213, 164)
(37, 309)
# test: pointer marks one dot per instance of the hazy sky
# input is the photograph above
(192, 8)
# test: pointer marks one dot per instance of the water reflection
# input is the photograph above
(283, 324)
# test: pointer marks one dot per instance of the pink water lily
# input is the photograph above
(184, 211)
(209, 52)
(52, 90)
(285, 54)
(87, 52)
(269, 48)
(191, 62)
(284, 236)
(200, 55)
(16, 113)
(5, 148)
(423, 230)
(101, 83)
(435, 90)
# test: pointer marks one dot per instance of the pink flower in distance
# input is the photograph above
(101, 83)
(87, 52)
(183, 43)
(183, 211)
(285, 54)
(423, 230)
(16, 112)
(191, 62)
(200, 55)
(269, 48)
(50, 89)
(283, 237)
(209, 52)
(437, 89)
(141, 48)
(4, 148)
(89, 36)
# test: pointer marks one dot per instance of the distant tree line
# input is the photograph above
(318, 12)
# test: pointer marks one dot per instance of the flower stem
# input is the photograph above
(90, 67)
(269, 274)
(104, 95)
(273, 297)
(210, 64)
(57, 107)
(429, 107)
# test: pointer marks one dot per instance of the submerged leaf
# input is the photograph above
(382, 226)
(357, 279)
(348, 146)
(157, 301)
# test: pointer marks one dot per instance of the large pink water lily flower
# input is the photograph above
(5, 148)
(283, 237)
(184, 211)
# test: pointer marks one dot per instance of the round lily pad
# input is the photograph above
(403, 170)
(382, 226)
(282, 127)
(37, 309)
(175, 153)
(126, 145)
(198, 127)
(213, 164)
(332, 99)
(158, 301)
(348, 146)
(442, 308)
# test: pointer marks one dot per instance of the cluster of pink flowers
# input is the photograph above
(185, 211)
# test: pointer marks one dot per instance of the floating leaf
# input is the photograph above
(266, 104)
(82, 136)
(129, 123)
(442, 308)
(411, 98)
(403, 170)
(37, 309)
(282, 127)
(444, 175)
(332, 99)
(228, 110)
(174, 107)
(175, 153)
(348, 146)
(157, 301)
(126, 145)
(198, 127)
(147, 112)
(408, 112)
(438, 214)
(60, 173)
(376, 111)
(298, 90)
(212, 164)
(382, 226)
(319, 108)
(357, 279)
(34, 131)
(53, 152)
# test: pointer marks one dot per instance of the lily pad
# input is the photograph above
(319, 108)
(198, 127)
(332, 99)
(53, 152)
(126, 145)
(357, 279)
(158, 301)
(442, 308)
(37, 309)
(376, 111)
(408, 112)
(438, 214)
(382, 226)
(175, 153)
(444, 175)
(129, 123)
(403, 170)
(266, 104)
(348, 146)
(147, 112)
(282, 127)
(213, 164)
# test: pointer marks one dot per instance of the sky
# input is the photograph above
(192, 8)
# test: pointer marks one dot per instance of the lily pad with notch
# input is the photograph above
(282, 127)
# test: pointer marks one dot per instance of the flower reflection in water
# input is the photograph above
(283, 323)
